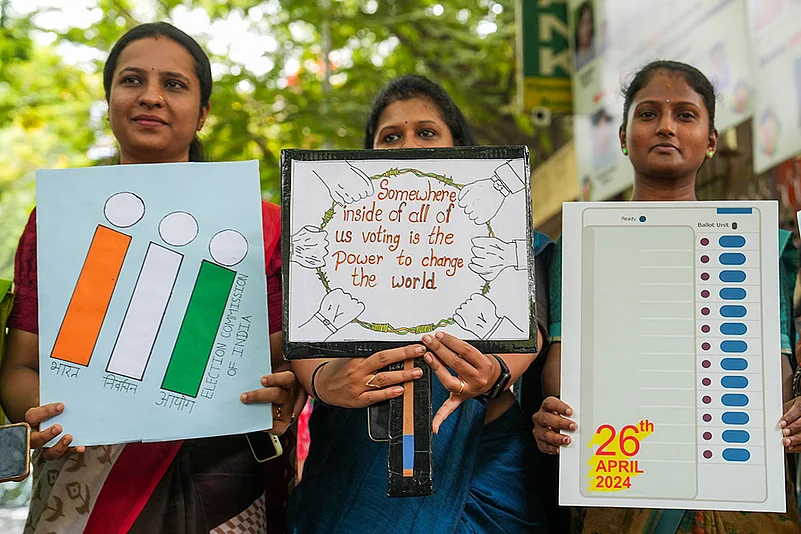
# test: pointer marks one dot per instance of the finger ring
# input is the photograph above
(277, 411)
(461, 387)
(370, 384)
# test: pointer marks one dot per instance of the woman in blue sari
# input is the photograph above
(668, 132)
(483, 482)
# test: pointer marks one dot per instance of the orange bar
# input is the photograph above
(89, 303)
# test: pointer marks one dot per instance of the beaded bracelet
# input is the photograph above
(313, 389)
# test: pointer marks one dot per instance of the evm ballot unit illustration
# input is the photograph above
(671, 355)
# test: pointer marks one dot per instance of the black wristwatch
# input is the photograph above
(500, 384)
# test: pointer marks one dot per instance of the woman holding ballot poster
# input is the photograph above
(482, 480)
(157, 82)
(668, 132)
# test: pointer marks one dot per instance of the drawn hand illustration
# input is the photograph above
(479, 316)
(309, 247)
(347, 186)
(337, 309)
(482, 199)
(492, 255)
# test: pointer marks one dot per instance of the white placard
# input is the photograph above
(384, 250)
(671, 356)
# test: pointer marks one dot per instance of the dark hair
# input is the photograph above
(694, 78)
(164, 29)
(600, 116)
(585, 7)
(411, 86)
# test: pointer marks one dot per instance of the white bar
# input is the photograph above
(145, 312)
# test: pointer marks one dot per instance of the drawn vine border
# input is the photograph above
(386, 327)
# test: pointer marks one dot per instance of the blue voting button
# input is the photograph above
(736, 436)
(736, 455)
(733, 329)
(734, 399)
(735, 418)
(732, 276)
(731, 241)
(734, 364)
(732, 258)
(734, 382)
(733, 345)
(732, 293)
(731, 310)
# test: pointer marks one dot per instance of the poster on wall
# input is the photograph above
(383, 246)
(776, 44)
(611, 44)
(674, 370)
(152, 314)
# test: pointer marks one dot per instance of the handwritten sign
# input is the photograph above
(384, 249)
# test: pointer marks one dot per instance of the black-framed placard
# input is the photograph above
(383, 246)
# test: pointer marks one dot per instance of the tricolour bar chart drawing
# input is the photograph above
(160, 319)
(92, 296)
(150, 297)
(199, 329)
(671, 339)
(145, 313)
(204, 314)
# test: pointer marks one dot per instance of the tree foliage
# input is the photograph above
(44, 123)
(49, 109)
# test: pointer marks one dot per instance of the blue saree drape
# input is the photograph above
(483, 479)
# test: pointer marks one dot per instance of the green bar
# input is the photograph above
(199, 329)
